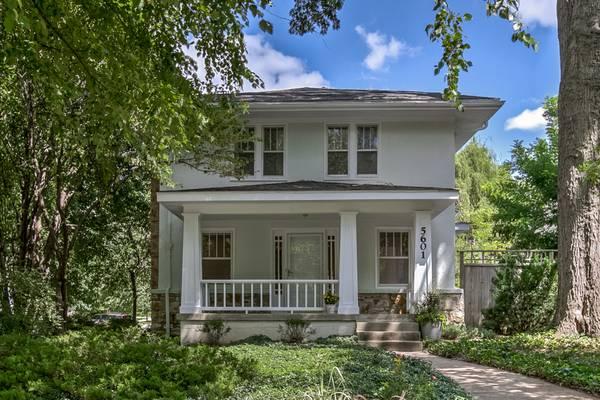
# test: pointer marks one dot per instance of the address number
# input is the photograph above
(423, 240)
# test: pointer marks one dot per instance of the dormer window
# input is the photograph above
(273, 151)
(337, 150)
(366, 157)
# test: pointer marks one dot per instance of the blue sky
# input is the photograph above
(382, 44)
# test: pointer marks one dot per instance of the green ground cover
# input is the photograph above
(129, 364)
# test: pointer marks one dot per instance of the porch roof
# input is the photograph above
(307, 197)
(315, 186)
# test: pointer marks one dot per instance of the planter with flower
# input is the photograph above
(330, 299)
(430, 316)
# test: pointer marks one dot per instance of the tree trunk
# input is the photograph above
(579, 139)
(134, 296)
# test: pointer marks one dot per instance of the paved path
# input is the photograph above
(486, 383)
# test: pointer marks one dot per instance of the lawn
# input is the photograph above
(569, 361)
(128, 364)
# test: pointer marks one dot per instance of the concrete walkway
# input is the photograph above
(486, 383)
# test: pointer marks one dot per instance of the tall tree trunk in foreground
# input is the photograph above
(579, 139)
(134, 295)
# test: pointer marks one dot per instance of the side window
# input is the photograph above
(216, 255)
(337, 150)
(367, 140)
(393, 257)
(273, 153)
(246, 152)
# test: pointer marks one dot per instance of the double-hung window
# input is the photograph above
(367, 142)
(246, 153)
(337, 150)
(273, 151)
(393, 257)
(216, 255)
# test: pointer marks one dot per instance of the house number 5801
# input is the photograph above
(423, 239)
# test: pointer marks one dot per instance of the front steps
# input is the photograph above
(389, 332)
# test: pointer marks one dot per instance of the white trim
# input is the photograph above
(231, 231)
(378, 150)
(285, 151)
(480, 104)
(262, 196)
(400, 287)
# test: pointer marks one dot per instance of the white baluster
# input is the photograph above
(251, 295)
(233, 293)
(270, 295)
(261, 295)
(224, 295)
(314, 295)
(288, 295)
(243, 286)
(305, 295)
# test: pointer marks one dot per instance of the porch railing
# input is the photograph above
(265, 294)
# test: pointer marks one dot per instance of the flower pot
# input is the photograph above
(431, 330)
(330, 308)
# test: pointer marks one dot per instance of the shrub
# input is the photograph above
(524, 297)
(330, 298)
(429, 309)
(295, 330)
(453, 331)
(215, 330)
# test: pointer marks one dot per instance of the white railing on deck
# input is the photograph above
(265, 294)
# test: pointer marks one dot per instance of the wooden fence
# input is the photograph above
(477, 270)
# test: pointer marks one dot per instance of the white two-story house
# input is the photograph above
(348, 191)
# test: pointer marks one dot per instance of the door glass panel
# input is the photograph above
(305, 258)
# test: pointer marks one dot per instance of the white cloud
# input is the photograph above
(382, 49)
(527, 120)
(542, 12)
(278, 70)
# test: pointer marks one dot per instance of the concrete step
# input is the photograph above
(394, 345)
(385, 317)
(389, 335)
(387, 326)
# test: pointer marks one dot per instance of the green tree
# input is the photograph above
(525, 195)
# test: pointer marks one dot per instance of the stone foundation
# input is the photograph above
(158, 313)
(382, 303)
(453, 306)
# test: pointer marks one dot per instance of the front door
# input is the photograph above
(305, 256)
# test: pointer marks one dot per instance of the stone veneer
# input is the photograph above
(453, 306)
(382, 303)
(159, 316)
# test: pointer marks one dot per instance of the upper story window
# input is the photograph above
(273, 151)
(366, 156)
(337, 150)
(246, 152)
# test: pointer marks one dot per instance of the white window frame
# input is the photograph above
(348, 152)
(230, 231)
(404, 287)
(377, 151)
(254, 141)
(283, 152)
(352, 150)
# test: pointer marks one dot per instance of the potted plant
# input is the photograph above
(330, 299)
(430, 316)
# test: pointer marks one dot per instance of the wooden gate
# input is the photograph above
(478, 269)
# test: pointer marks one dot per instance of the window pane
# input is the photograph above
(393, 271)
(216, 269)
(337, 138)
(248, 158)
(273, 139)
(367, 163)
(337, 163)
(273, 164)
(367, 137)
(404, 245)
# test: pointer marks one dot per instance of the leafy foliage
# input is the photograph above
(525, 195)
(524, 297)
(331, 298)
(572, 361)
(295, 330)
(215, 330)
(429, 309)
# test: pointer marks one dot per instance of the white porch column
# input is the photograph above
(191, 268)
(422, 272)
(348, 274)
